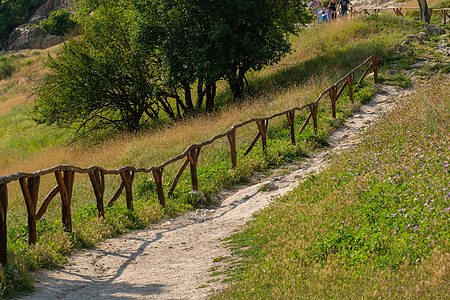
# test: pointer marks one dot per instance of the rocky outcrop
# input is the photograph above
(30, 35)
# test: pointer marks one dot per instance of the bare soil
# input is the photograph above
(177, 258)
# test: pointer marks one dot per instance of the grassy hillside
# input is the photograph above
(375, 224)
(321, 55)
(376, 228)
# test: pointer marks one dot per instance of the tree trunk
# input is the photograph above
(210, 95)
(167, 108)
(180, 104)
(188, 96)
(236, 85)
(200, 94)
(425, 12)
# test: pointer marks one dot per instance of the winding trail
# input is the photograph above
(174, 259)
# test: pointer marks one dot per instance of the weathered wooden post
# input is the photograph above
(127, 179)
(193, 158)
(313, 107)
(333, 97)
(157, 174)
(30, 191)
(177, 177)
(290, 117)
(97, 178)
(375, 69)
(350, 80)
(262, 126)
(233, 152)
(306, 122)
(3, 228)
(65, 184)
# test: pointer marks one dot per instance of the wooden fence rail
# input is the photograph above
(445, 12)
(65, 174)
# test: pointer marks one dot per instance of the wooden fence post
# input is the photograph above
(65, 188)
(97, 178)
(262, 126)
(313, 107)
(193, 158)
(233, 152)
(291, 116)
(177, 177)
(30, 190)
(157, 174)
(333, 97)
(306, 122)
(375, 69)
(127, 179)
(3, 228)
(350, 80)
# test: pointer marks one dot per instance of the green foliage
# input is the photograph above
(100, 82)
(6, 67)
(132, 61)
(145, 186)
(209, 41)
(58, 23)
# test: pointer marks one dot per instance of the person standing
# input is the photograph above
(343, 4)
(332, 8)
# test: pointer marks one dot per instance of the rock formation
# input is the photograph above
(30, 35)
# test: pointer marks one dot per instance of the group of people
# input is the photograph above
(330, 12)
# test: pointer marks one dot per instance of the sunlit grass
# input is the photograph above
(321, 56)
(374, 224)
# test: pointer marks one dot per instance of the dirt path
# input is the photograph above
(174, 259)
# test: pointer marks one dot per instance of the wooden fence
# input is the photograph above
(445, 12)
(65, 174)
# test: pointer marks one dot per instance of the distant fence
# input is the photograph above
(445, 12)
(65, 174)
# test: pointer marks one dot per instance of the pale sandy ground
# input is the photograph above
(173, 259)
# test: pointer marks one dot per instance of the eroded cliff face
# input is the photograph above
(30, 35)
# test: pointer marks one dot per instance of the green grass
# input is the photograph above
(21, 137)
(375, 224)
(335, 56)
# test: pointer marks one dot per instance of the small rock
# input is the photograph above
(418, 64)
(392, 72)
(269, 186)
(422, 35)
(435, 65)
(378, 89)
(433, 30)
(201, 195)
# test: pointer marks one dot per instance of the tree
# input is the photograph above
(206, 41)
(58, 23)
(134, 57)
(100, 81)
(425, 12)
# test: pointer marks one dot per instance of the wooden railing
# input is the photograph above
(65, 174)
(445, 12)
